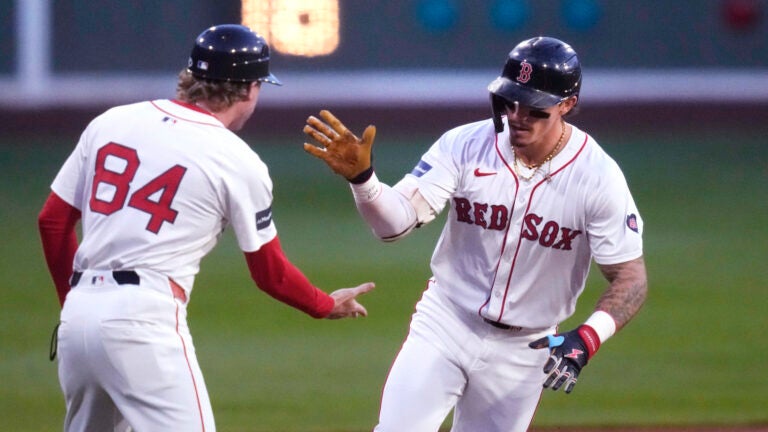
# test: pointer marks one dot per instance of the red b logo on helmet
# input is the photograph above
(525, 72)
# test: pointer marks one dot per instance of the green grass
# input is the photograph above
(693, 355)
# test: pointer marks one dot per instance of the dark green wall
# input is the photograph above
(152, 36)
(7, 41)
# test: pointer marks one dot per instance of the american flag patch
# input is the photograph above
(421, 168)
(263, 218)
(632, 222)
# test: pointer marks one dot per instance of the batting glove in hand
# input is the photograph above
(568, 353)
(345, 153)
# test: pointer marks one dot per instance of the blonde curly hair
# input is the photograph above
(218, 95)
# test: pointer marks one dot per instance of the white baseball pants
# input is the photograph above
(126, 359)
(454, 360)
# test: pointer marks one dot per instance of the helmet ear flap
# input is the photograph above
(497, 108)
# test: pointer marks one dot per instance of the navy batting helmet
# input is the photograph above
(539, 72)
(231, 52)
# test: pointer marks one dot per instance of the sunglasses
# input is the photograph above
(532, 112)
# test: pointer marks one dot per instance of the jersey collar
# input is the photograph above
(192, 107)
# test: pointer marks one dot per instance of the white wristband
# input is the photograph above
(368, 191)
(603, 323)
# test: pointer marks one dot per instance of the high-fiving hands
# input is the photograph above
(345, 153)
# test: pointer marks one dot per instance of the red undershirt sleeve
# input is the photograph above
(279, 278)
(56, 223)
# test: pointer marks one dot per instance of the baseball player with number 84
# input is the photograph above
(154, 184)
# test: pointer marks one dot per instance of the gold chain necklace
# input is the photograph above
(535, 167)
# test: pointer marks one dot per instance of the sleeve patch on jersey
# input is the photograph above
(421, 168)
(263, 218)
(632, 222)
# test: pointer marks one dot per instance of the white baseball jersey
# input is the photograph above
(519, 251)
(512, 250)
(157, 182)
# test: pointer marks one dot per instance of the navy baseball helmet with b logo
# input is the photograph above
(539, 72)
(231, 52)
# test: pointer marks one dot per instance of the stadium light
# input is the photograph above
(306, 28)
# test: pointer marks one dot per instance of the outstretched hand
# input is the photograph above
(345, 153)
(346, 304)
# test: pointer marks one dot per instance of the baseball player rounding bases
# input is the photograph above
(155, 183)
(532, 200)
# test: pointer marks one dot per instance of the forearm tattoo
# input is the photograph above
(627, 290)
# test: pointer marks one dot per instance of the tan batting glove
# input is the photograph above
(345, 153)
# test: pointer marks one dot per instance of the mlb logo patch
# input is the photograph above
(202, 65)
(632, 222)
(421, 168)
(263, 218)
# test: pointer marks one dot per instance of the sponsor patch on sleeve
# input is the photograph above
(421, 168)
(263, 218)
(632, 222)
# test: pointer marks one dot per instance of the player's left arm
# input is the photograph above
(281, 279)
(622, 299)
(626, 292)
(56, 224)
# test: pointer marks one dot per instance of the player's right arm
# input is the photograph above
(390, 212)
(56, 223)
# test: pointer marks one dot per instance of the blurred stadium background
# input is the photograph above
(74, 56)
(676, 91)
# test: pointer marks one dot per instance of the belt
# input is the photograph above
(122, 277)
(130, 277)
(502, 326)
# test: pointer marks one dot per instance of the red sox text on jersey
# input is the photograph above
(525, 247)
(496, 217)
